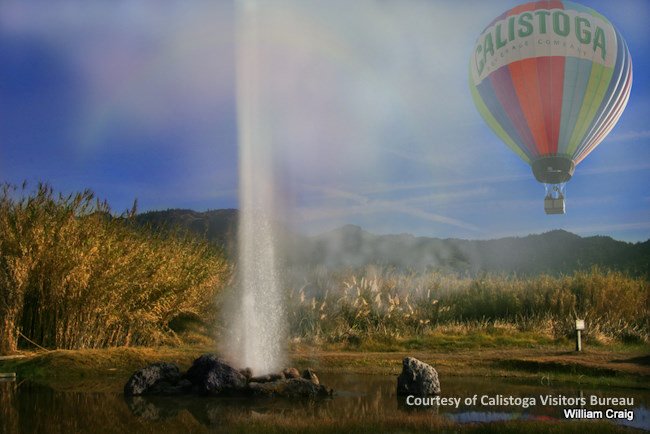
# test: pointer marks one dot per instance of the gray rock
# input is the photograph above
(291, 373)
(166, 388)
(266, 378)
(417, 378)
(310, 375)
(211, 375)
(246, 372)
(289, 388)
(155, 378)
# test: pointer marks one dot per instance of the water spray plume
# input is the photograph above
(258, 337)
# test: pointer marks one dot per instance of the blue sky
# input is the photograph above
(370, 118)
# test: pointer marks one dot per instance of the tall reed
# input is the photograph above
(390, 303)
(73, 276)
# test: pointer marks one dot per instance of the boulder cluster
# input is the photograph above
(210, 375)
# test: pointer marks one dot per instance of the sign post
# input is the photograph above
(580, 325)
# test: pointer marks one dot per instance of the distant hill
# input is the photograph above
(218, 226)
(553, 252)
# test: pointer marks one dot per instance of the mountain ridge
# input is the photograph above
(556, 251)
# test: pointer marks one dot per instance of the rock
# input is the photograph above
(291, 373)
(169, 389)
(289, 388)
(417, 378)
(165, 388)
(310, 375)
(212, 375)
(266, 378)
(246, 372)
(155, 378)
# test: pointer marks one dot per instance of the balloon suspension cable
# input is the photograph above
(555, 191)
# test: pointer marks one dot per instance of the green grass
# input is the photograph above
(616, 366)
(110, 368)
(120, 361)
(478, 339)
(96, 369)
(556, 367)
(439, 341)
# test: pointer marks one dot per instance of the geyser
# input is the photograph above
(257, 339)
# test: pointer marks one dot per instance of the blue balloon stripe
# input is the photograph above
(576, 78)
(486, 91)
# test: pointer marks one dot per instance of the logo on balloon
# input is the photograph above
(557, 32)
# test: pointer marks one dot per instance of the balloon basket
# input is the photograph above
(554, 206)
(554, 200)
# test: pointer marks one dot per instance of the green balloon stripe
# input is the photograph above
(576, 74)
(598, 84)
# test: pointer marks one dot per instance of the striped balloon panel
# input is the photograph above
(611, 108)
(550, 104)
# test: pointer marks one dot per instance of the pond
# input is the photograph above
(29, 407)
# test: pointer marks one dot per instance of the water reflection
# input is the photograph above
(28, 407)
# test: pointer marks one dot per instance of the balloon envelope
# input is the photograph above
(551, 78)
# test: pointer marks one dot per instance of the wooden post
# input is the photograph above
(580, 325)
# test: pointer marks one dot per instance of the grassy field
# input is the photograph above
(620, 366)
(74, 276)
(377, 305)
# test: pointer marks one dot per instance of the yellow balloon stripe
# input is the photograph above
(596, 88)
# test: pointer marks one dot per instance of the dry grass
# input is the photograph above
(73, 276)
(389, 305)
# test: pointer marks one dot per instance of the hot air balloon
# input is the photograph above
(551, 78)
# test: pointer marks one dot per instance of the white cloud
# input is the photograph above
(632, 167)
(629, 135)
(401, 187)
(368, 77)
(363, 205)
(146, 65)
